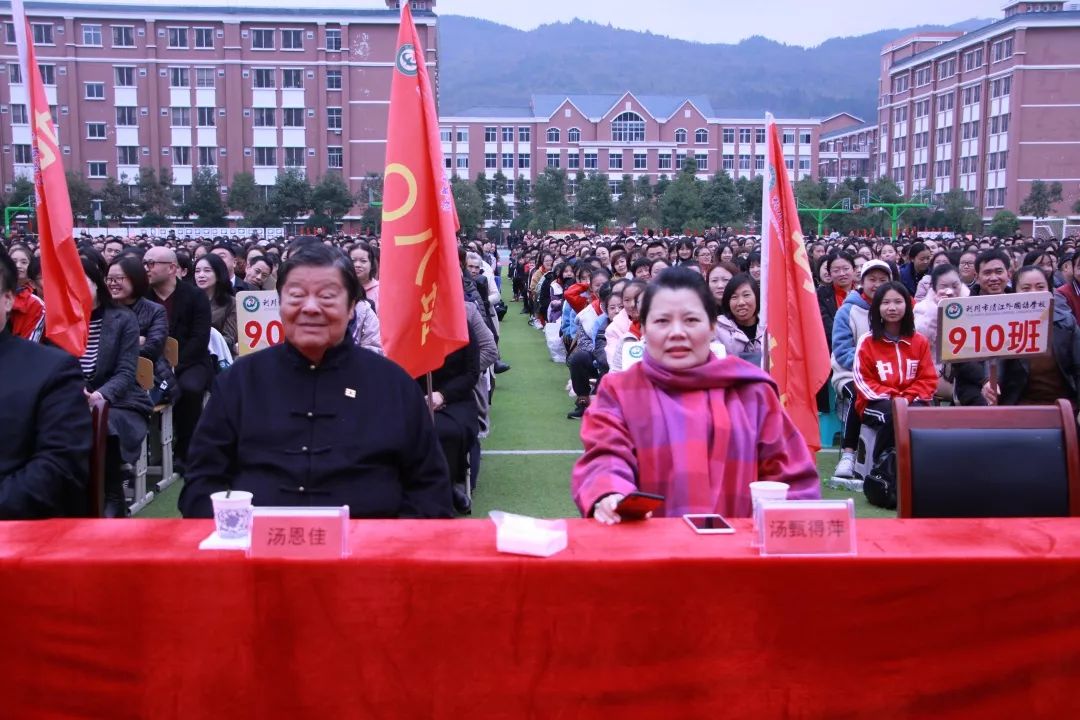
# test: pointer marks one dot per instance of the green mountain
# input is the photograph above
(486, 64)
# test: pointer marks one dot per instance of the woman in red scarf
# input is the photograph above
(28, 312)
(683, 423)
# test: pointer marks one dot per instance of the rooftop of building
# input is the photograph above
(1058, 17)
(321, 8)
(596, 106)
(852, 130)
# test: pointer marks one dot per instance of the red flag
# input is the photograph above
(68, 303)
(419, 270)
(797, 354)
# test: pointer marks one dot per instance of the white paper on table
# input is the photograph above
(213, 541)
(524, 535)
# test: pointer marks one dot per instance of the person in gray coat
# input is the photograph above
(108, 367)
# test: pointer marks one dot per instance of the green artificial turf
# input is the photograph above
(529, 413)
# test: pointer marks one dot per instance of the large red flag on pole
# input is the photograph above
(422, 317)
(67, 298)
(797, 355)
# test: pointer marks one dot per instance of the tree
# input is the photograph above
(750, 196)
(1004, 224)
(594, 207)
(156, 201)
(470, 205)
(291, 195)
(885, 190)
(204, 200)
(626, 206)
(22, 193)
(681, 201)
(522, 204)
(722, 204)
(500, 211)
(957, 214)
(483, 186)
(1041, 200)
(79, 193)
(243, 193)
(115, 201)
(645, 199)
(370, 198)
(330, 201)
(550, 209)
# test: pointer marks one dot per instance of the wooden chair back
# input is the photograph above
(172, 351)
(144, 373)
(95, 489)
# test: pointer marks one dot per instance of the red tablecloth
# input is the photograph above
(126, 619)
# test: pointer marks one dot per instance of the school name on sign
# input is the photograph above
(981, 328)
(259, 320)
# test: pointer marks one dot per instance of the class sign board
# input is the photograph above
(994, 326)
(258, 320)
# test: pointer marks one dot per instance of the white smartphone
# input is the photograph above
(709, 524)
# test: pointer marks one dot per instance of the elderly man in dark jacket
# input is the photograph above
(44, 423)
(317, 420)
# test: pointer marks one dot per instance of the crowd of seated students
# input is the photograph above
(585, 291)
(855, 276)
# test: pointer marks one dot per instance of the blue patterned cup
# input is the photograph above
(232, 514)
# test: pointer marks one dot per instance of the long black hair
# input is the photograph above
(92, 269)
(877, 324)
(132, 267)
(223, 290)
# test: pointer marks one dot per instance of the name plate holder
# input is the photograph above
(309, 533)
(806, 527)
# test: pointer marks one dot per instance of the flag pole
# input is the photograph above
(766, 258)
(430, 399)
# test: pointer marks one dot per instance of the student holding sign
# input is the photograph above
(1041, 379)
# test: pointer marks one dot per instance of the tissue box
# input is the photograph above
(523, 535)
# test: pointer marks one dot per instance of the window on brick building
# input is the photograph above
(204, 38)
(91, 35)
(178, 38)
(292, 39)
(262, 39)
(123, 36)
(628, 127)
(334, 157)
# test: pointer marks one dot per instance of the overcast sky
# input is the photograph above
(798, 22)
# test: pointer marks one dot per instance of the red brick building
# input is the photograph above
(988, 111)
(627, 134)
(234, 88)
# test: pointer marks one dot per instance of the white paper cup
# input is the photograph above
(764, 490)
(768, 490)
(232, 514)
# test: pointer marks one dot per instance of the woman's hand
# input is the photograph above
(437, 400)
(991, 393)
(604, 509)
(91, 396)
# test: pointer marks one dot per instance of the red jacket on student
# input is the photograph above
(577, 296)
(884, 369)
